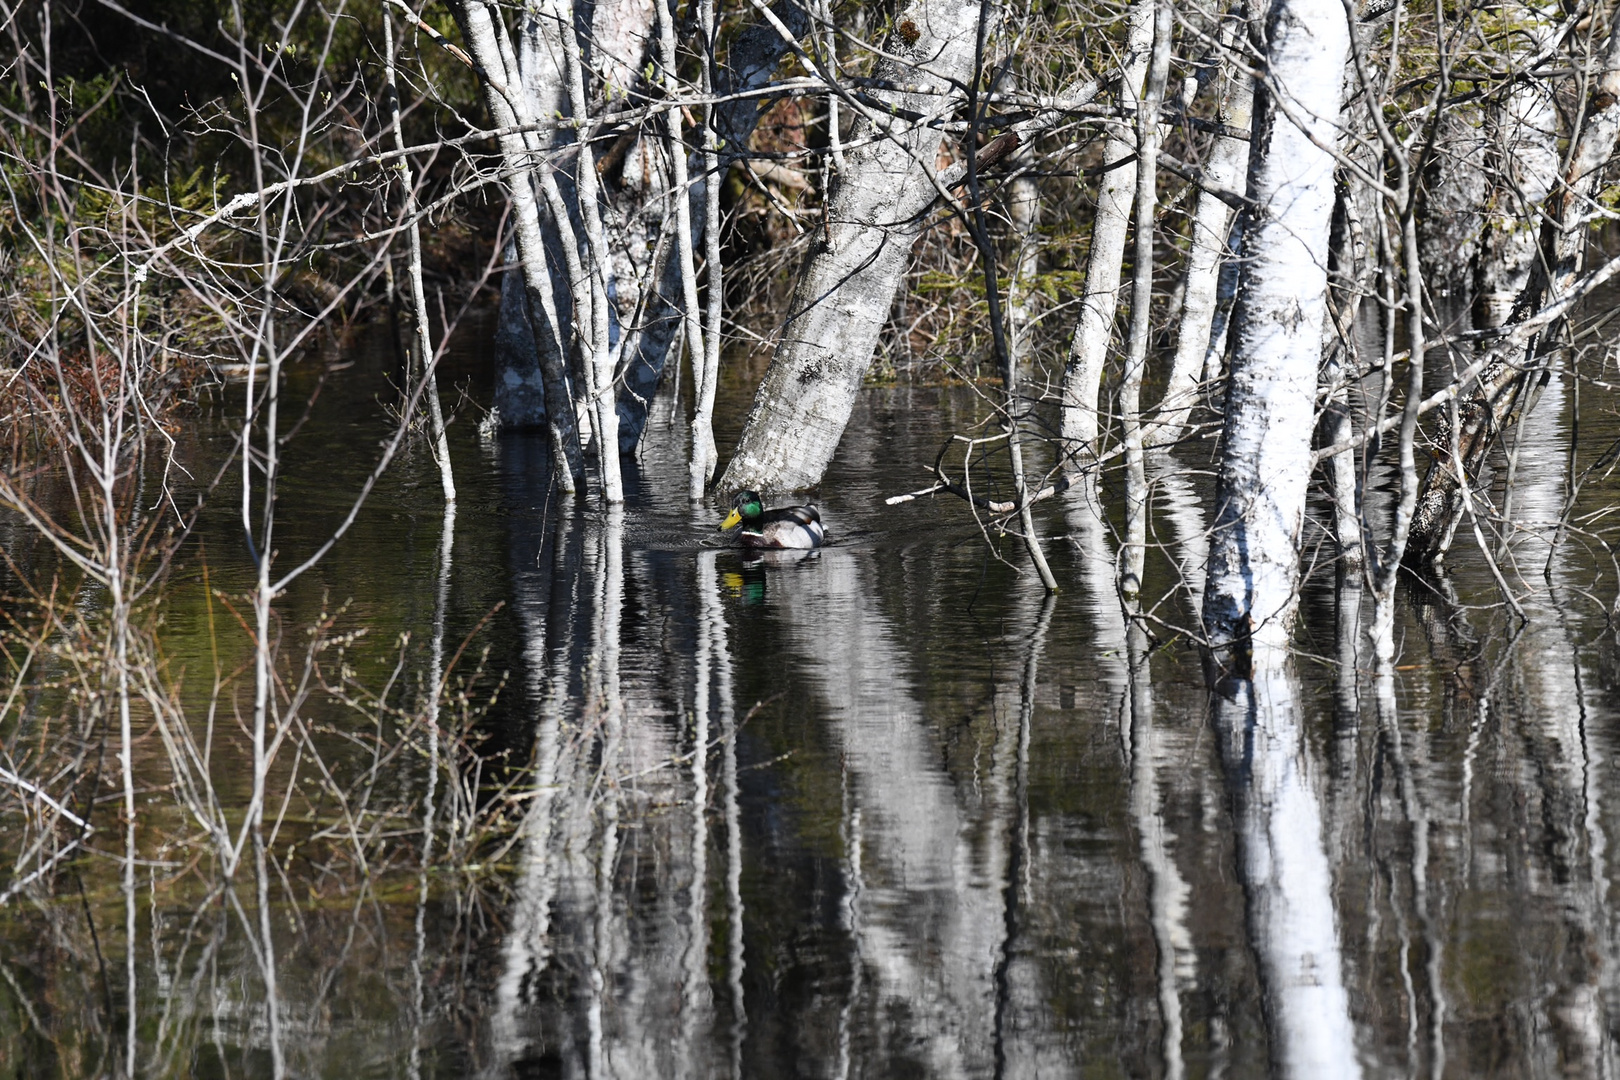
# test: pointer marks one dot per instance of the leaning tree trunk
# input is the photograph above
(1099, 299)
(1271, 394)
(846, 288)
(1509, 381)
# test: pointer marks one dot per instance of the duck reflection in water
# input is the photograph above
(747, 581)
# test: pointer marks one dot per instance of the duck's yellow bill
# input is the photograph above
(733, 518)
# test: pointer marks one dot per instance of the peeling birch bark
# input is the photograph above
(844, 294)
(1251, 591)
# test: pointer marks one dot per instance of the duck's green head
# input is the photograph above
(743, 508)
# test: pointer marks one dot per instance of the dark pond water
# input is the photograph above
(882, 811)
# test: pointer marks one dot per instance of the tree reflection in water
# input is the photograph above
(886, 810)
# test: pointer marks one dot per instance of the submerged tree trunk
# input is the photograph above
(1099, 299)
(846, 289)
(1282, 300)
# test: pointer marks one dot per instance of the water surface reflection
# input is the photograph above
(887, 810)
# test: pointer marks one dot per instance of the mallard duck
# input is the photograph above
(783, 527)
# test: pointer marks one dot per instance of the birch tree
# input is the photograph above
(512, 112)
(520, 387)
(1514, 368)
(1265, 460)
(842, 297)
(750, 63)
(1254, 563)
(1224, 173)
(1099, 299)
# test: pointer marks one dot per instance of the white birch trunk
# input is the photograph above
(613, 53)
(843, 296)
(1099, 299)
(1282, 300)
(683, 234)
(1525, 138)
(704, 388)
(521, 355)
(623, 38)
(509, 109)
(598, 359)
(419, 316)
(1023, 217)
(1212, 220)
(1130, 393)
(750, 63)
